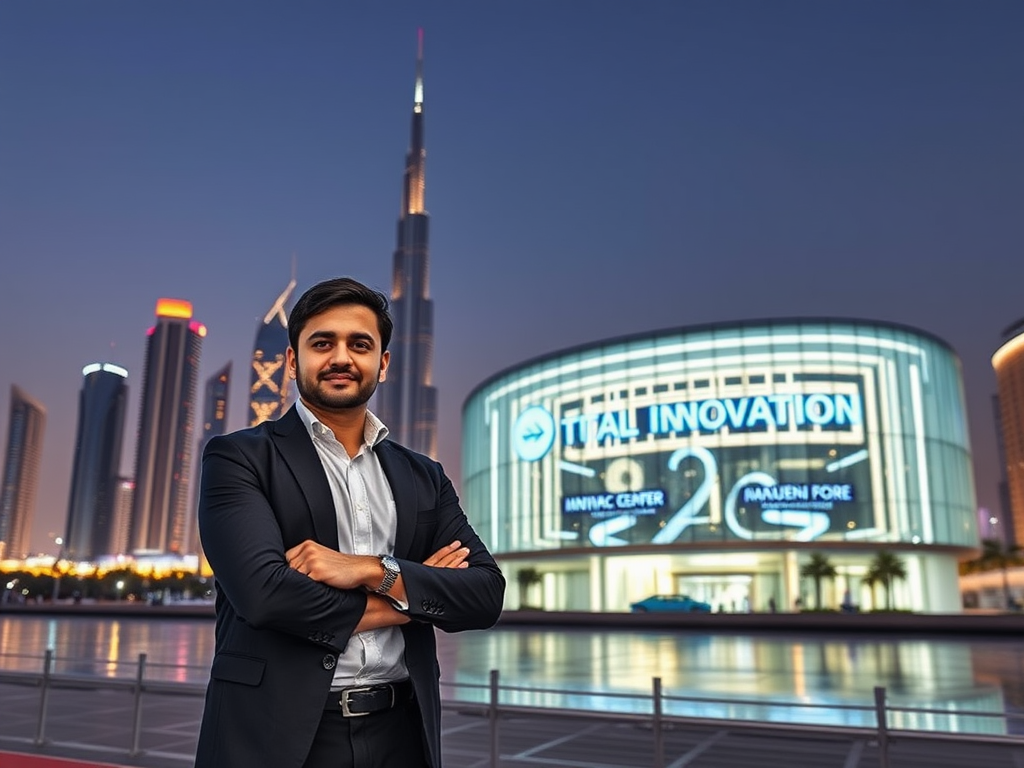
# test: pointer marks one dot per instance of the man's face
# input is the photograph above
(339, 361)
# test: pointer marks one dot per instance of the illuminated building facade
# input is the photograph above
(163, 461)
(407, 401)
(713, 461)
(1008, 362)
(101, 409)
(21, 473)
(215, 422)
(268, 384)
(124, 493)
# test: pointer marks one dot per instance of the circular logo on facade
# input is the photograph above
(534, 433)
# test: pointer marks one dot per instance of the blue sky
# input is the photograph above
(593, 169)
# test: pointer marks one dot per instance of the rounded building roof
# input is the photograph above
(703, 328)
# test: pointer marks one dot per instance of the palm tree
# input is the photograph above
(996, 554)
(885, 568)
(820, 567)
(870, 581)
(526, 578)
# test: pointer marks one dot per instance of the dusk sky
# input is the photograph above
(594, 169)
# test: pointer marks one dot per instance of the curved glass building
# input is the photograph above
(714, 461)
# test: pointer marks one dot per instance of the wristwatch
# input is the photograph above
(391, 571)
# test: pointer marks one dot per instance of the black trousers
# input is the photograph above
(389, 739)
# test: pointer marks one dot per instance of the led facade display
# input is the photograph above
(788, 431)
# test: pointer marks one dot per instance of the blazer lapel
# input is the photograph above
(297, 450)
(399, 474)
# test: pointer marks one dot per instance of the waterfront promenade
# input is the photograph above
(988, 623)
(90, 719)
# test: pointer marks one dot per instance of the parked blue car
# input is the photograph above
(674, 603)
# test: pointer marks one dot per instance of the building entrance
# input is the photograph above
(724, 592)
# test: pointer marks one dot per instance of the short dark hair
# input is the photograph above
(336, 292)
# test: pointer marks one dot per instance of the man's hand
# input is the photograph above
(333, 568)
(452, 556)
(343, 571)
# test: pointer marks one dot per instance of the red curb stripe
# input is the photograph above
(21, 760)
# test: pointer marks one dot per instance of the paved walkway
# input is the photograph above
(96, 725)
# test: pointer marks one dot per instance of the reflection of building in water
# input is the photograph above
(713, 461)
(812, 679)
(268, 388)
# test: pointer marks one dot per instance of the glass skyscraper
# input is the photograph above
(101, 410)
(21, 473)
(163, 462)
(268, 385)
(407, 400)
(215, 422)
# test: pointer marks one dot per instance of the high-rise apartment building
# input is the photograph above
(268, 385)
(163, 460)
(1008, 362)
(215, 422)
(21, 473)
(120, 527)
(101, 409)
(407, 401)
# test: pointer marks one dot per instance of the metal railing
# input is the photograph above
(655, 710)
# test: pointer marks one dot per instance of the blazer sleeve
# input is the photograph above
(242, 539)
(454, 599)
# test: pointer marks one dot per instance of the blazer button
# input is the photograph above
(329, 661)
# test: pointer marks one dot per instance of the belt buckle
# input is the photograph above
(346, 693)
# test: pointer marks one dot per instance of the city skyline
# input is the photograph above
(592, 175)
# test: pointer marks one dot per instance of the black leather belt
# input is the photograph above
(362, 700)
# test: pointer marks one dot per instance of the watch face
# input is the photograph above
(390, 563)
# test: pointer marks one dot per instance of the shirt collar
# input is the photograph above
(374, 430)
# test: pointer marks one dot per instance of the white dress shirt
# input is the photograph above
(367, 521)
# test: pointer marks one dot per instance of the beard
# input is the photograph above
(315, 393)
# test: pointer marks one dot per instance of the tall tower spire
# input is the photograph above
(416, 159)
(407, 401)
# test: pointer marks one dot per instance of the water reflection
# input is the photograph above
(827, 680)
(814, 679)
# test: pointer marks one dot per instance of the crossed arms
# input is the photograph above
(251, 505)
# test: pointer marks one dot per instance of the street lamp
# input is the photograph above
(120, 586)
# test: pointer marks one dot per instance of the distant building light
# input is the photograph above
(108, 367)
(174, 308)
(198, 328)
(993, 520)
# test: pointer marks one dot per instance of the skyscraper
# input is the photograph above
(21, 473)
(268, 390)
(159, 521)
(1008, 362)
(120, 527)
(101, 409)
(407, 401)
(215, 421)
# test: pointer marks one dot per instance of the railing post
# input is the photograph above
(492, 712)
(881, 718)
(659, 744)
(137, 707)
(44, 694)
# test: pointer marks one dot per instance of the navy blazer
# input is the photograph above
(278, 633)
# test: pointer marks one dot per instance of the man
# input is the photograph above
(336, 553)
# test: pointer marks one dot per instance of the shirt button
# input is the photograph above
(329, 661)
